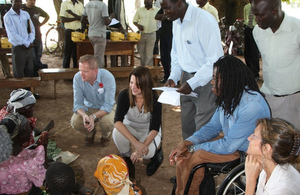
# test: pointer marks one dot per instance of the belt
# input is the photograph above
(286, 95)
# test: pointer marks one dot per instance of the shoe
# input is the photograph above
(163, 81)
(90, 140)
(37, 96)
(156, 161)
(131, 168)
(173, 179)
(104, 141)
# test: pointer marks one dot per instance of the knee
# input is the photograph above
(76, 121)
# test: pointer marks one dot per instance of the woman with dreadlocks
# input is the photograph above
(239, 105)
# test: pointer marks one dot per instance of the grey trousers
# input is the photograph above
(99, 44)
(196, 112)
(145, 48)
(22, 61)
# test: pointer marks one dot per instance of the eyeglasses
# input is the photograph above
(252, 136)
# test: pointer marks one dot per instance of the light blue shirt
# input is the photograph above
(236, 127)
(196, 46)
(17, 28)
(87, 95)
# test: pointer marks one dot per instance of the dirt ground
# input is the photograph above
(68, 139)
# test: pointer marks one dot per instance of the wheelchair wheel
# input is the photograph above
(235, 182)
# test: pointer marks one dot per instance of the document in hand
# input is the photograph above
(170, 95)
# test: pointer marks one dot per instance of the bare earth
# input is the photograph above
(68, 139)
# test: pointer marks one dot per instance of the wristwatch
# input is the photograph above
(191, 149)
(95, 118)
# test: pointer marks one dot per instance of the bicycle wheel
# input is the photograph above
(234, 183)
(51, 40)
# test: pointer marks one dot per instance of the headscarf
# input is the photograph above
(20, 98)
(5, 144)
(13, 123)
(112, 173)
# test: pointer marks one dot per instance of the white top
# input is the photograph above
(196, 46)
(284, 180)
(280, 52)
(77, 9)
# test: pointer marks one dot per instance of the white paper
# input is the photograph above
(113, 22)
(171, 96)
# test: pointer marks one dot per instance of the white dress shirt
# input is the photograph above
(280, 52)
(196, 46)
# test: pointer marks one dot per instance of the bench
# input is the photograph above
(31, 82)
(57, 74)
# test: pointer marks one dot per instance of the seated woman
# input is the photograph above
(24, 171)
(23, 101)
(273, 147)
(138, 122)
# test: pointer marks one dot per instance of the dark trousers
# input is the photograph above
(165, 53)
(251, 53)
(70, 50)
(22, 60)
(155, 49)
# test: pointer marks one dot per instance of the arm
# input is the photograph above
(45, 16)
(64, 12)
(160, 15)
(210, 40)
(136, 19)
(109, 83)
(237, 128)
(252, 171)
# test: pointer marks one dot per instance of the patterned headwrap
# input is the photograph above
(20, 98)
(112, 173)
(5, 144)
(13, 123)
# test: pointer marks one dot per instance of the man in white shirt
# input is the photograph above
(196, 46)
(277, 36)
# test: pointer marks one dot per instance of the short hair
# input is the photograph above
(60, 179)
(90, 59)
(235, 78)
(145, 82)
(282, 137)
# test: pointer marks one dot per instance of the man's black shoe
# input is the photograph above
(163, 81)
(173, 179)
(37, 96)
(156, 161)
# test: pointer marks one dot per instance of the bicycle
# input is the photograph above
(54, 41)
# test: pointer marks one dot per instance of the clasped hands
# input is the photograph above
(141, 150)
(180, 153)
(89, 123)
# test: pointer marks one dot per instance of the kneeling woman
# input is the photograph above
(138, 122)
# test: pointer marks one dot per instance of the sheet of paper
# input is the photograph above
(113, 22)
(170, 97)
(193, 94)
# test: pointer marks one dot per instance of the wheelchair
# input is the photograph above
(235, 181)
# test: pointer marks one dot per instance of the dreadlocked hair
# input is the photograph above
(235, 77)
(60, 179)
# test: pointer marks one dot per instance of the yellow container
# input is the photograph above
(117, 36)
(77, 36)
(4, 43)
(132, 36)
